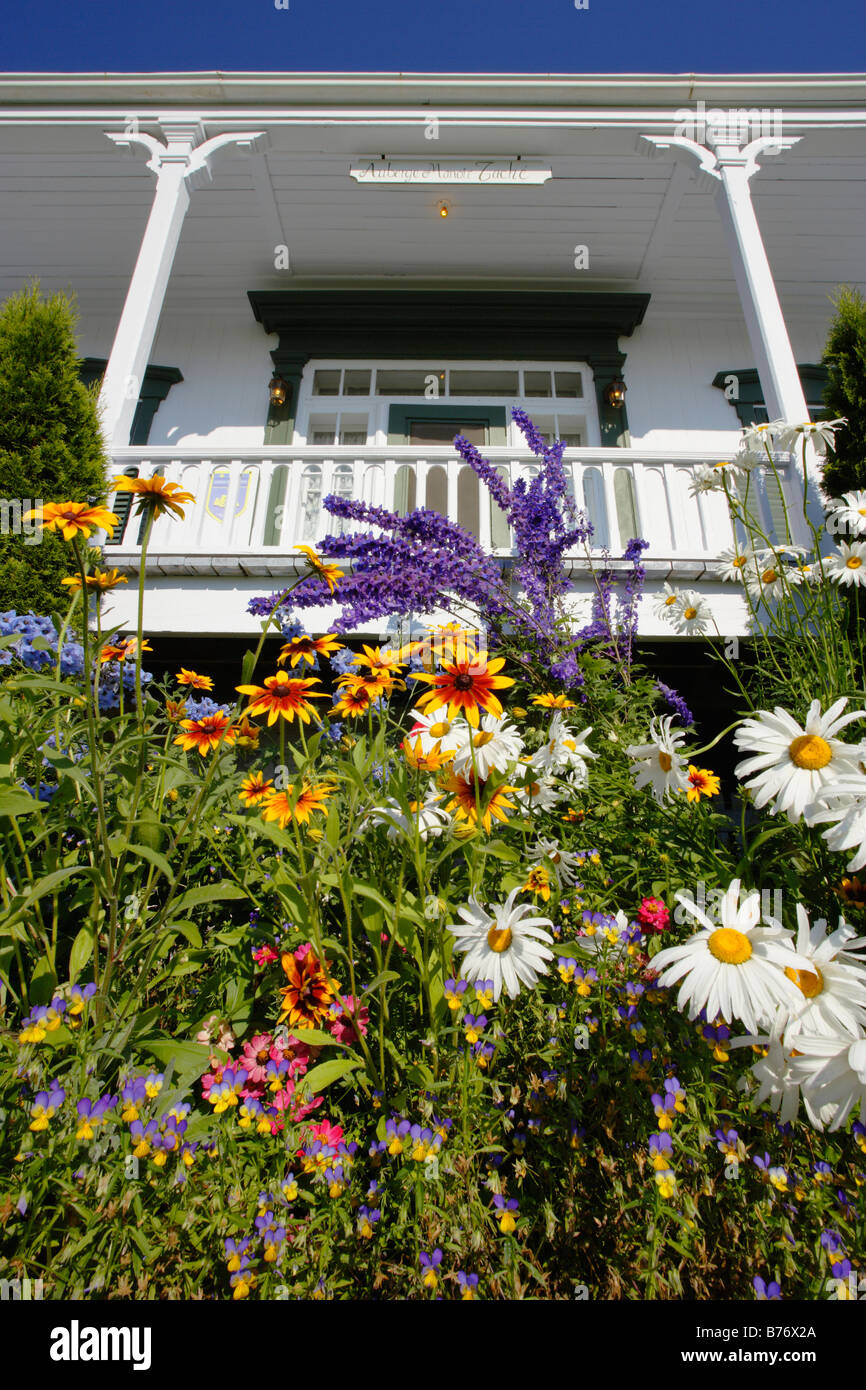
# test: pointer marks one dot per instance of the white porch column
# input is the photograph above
(182, 162)
(729, 168)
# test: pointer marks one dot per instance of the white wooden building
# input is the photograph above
(412, 255)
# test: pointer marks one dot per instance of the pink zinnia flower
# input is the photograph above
(265, 955)
(328, 1133)
(349, 1020)
(258, 1051)
(653, 915)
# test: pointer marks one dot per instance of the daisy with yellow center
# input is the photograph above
(206, 733)
(468, 795)
(329, 574)
(659, 764)
(702, 782)
(193, 680)
(385, 663)
(282, 697)
(466, 687)
(376, 685)
(254, 787)
(732, 564)
(847, 565)
(416, 758)
(100, 580)
(73, 519)
(833, 989)
(503, 945)
(155, 495)
(551, 701)
(306, 648)
(733, 968)
(284, 806)
(353, 702)
(789, 763)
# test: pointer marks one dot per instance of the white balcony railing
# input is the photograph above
(254, 505)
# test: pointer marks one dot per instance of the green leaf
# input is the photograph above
(314, 1037)
(326, 1073)
(82, 950)
(153, 856)
(187, 929)
(187, 1059)
(208, 893)
(15, 803)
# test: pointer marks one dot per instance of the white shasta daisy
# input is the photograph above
(847, 513)
(691, 614)
(562, 748)
(536, 793)
(820, 432)
(659, 764)
(845, 803)
(847, 565)
(778, 1082)
(666, 601)
(503, 945)
(833, 989)
(426, 815)
(495, 744)
(789, 765)
(736, 970)
(832, 1073)
(435, 730)
(565, 862)
(732, 563)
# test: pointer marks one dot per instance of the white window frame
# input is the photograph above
(377, 408)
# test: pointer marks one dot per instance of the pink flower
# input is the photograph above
(265, 955)
(653, 915)
(303, 950)
(258, 1051)
(347, 1017)
(328, 1133)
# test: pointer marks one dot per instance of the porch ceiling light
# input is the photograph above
(443, 208)
(615, 394)
(278, 391)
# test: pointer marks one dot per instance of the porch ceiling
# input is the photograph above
(73, 209)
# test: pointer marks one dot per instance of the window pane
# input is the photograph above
(411, 382)
(356, 383)
(353, 436)
(568, 383)
(477, 383)
(322, 437)
(537, 383)
(326, 383)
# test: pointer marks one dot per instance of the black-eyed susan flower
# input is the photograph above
(353, 702)
(99, 580)
(73, 519)
(282, 697)
(310, 991)
(465, 687)
(329, 574)
(193, 680)
(124, 650)
(476, 801)
(175, 710)
(206, 733)
(386, 663)
(551, 701)
(254, 787)
(155, 494)
(306, 648)
(702, 782)
(282, 805)
(538, 882)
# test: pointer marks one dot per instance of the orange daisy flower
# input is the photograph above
(465, 804)
(99, 580)
(308, 648)
(353, 702)
(379, 662)
(191, 678)
(702, 782)
(549, 701)
(466, 686)
(375, 685)
(155, 494)
(282, 697)
(425, 762)
(206, 733)
(125, 650)
(247, 734)
(254, 787)
(278, 806)
(329, 573)
(73, 519)
(308, 996)
(175, 710)
(538, 882)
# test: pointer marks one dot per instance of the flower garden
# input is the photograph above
(450, 969)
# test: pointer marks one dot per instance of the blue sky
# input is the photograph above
(636, 36)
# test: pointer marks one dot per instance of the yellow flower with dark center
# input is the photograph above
(310, 992)
(492, 801)
(193, 680)
(277, 805)
(73, 519)
(375, 685)
(125, 650)
(353, 702)
(465, 687)
(702, 782)
(549, 701)
(852, 891)
(538, 883)
(378, 662)
(425, 762)
(247, 734)
(100, 580)
(282, 697)
(206, 733)
(307, 648)
(175, 710)
(155, 494)
(328, 573)
(254, 787)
